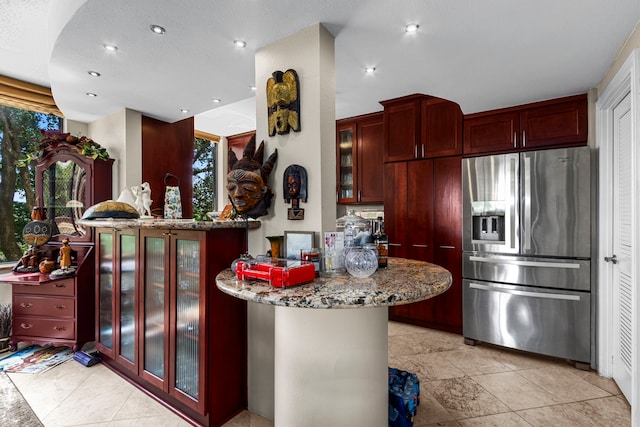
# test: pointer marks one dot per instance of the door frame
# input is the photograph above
(626, 81)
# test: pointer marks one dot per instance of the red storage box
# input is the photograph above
(281, 273)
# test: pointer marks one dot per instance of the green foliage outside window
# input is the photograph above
(19, 135)
(204, 178)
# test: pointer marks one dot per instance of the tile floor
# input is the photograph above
(460, 386)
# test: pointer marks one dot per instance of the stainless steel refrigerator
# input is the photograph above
(526, 251)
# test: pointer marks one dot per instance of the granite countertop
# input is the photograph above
(403, 281)
(175, 224)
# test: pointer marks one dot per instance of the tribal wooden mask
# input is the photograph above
(283, 100)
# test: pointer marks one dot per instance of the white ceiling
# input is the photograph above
(481, 54)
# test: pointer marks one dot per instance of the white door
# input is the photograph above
(620, 262)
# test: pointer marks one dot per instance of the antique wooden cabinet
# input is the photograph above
(421, 126)
(359, 159)
(162, 322)
(423, 202)
(559, 122)
(59, 310)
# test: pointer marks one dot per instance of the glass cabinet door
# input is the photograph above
(155, 297)
(187, 344)
(105, 292)
(127, 296)
(346, 161)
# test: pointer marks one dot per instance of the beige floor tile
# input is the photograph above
(99, 404)
(607, 384)
(515, 391)
(475, 361)
(510, 419)
(401, 345)
(428, 367)
(564, 384)
(465, 398)
(397, 328)
(248, 419)
(606, 412)
(139, 405)
(430, 411)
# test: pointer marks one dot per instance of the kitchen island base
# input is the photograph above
(331, 367)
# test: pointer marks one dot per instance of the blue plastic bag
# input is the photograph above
(404, 397)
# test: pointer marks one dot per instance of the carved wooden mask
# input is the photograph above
(283, 101)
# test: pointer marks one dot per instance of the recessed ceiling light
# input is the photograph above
(91, 94)
(216, 100)
(411, 28)
(184, 110)
(94, 73)
(370, 70)
(240, 43)
(157, 29)
(110, 47)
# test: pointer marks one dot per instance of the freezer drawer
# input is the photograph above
(526, 318)
(553, 273)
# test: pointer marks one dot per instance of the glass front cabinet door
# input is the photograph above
(173, 325)
(346, 163)
(116, 295)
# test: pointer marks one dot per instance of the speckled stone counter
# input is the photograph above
(402, 282)
(175, 224)
(331, 366)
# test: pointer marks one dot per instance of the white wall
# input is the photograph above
(121, 134)
(310, 53)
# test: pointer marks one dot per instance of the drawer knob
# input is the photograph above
(25, 326)
(61, 307)
(59, 328)
(60, 285)
(25, 304)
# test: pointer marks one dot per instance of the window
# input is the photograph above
(204, 178)
(19, 133)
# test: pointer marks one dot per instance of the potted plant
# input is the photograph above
(5, 326)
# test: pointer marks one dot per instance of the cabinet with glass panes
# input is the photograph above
(188, 338)
(359, 145)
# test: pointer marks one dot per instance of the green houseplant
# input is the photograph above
(5, 326)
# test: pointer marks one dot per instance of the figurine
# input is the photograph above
(65, 255)
(143, 201)
(247, 182)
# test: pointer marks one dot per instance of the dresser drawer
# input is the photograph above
(43, 327)
(63, 287)
(27, 305)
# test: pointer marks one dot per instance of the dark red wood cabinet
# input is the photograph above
(162, 322)
(423, 219)
(554, 123)
(359, 144)
(59, 311)
(421, 126)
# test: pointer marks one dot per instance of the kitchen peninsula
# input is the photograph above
(160, 320)
(331, 346)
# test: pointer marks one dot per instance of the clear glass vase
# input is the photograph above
(361, 262)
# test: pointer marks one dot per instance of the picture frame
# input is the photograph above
(295, 241)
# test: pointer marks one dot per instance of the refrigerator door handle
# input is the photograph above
(525, 263)
(527, 204)
(524, 293)
(513, 162)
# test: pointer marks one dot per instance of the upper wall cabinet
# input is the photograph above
(555, 123)
(359, 159)
(67, 183)
(421, 126)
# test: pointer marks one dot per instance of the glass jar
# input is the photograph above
(355, 229)
(361, 262)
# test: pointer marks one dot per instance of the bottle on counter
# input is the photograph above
(382, 243)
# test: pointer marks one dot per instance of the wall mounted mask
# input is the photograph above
(248, 180)
(294, 185)
(283, 102)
